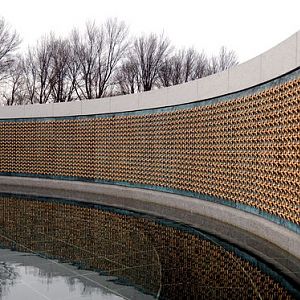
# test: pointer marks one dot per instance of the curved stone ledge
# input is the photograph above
(156, 203)
(267, 66)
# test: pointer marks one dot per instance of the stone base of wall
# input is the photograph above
(192, 211)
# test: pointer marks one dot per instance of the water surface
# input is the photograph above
(71, 250)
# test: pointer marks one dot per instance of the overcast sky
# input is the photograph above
(248, 27)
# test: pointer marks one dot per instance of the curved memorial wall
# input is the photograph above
(232, 138)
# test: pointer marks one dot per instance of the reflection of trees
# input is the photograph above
(47, 276)
(8, 277)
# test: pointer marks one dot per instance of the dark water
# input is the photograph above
(58, 249)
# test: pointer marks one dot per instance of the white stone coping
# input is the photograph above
(275, 62)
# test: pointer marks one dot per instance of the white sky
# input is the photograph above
(248, 27)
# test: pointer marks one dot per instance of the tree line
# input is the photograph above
(103, 60)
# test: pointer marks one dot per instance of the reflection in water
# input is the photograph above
(160, 258)
(38, 278)
(8, 277)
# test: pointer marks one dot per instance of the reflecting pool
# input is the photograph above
(61, 249)
(29, 277)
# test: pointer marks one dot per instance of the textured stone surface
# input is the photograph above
(280, 59)
(67, 109)
(245, 75)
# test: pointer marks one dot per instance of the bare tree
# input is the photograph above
(86, 50)
(9, 42)
(30, 77)
(213, 65)
(97, 63)
(186, 65)
(44, 54)
(183, 66)
(39, 71)
(201, 66)
(127, 78)
(64, 71)
(189, 61)
(14, 83)
(224, 60)
(227, 58)
(116, 40)
(165, 72)
(178, 72)
(185, 62)
(149, 53)
(98, 53)
(75, 65)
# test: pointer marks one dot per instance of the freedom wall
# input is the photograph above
(226, 146)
